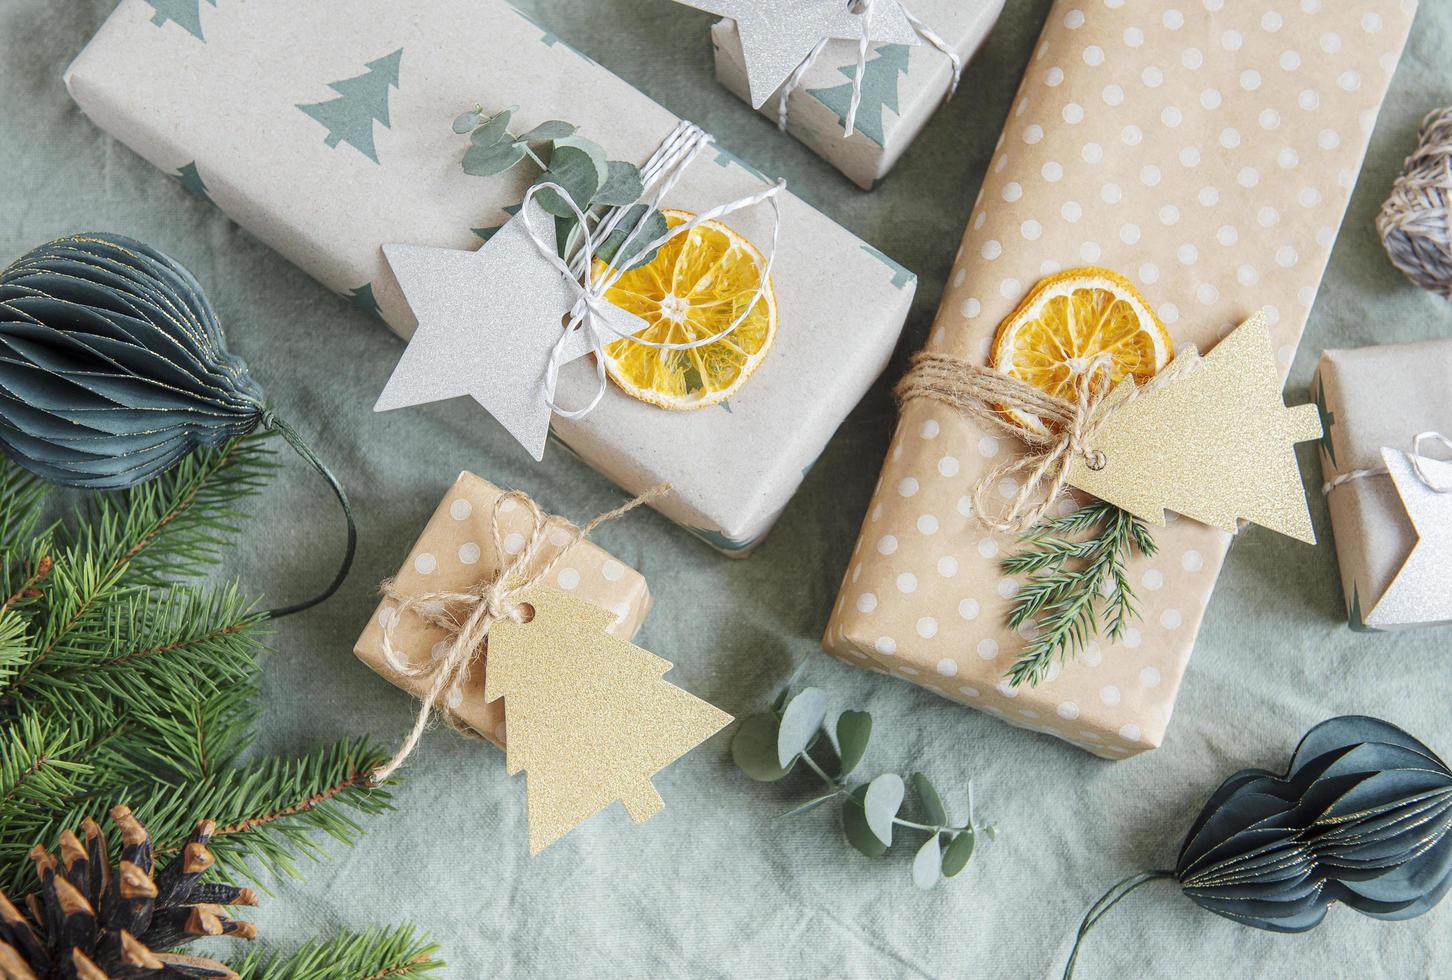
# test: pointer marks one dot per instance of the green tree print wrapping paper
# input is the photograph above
(324, 129)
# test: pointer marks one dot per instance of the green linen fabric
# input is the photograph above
(718, 885)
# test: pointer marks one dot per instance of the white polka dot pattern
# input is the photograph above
(455, 551)
(1207, 149)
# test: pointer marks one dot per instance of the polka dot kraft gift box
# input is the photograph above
(1206, 151)
(456, 551)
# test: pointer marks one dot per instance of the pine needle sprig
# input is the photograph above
(374, 954)
(1075, 585)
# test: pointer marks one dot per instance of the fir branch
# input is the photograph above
(1074, 585)
(22, 495)
(375, 954)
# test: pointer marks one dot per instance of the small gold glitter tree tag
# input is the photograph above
(588, 717)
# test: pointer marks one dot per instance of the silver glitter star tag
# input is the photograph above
(778, 35)
(487, 321)
(1421, 592)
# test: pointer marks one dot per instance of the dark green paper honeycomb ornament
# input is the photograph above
(1361, 817)
(113, 367)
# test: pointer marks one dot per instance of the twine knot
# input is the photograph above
(1415, 223)
(1057, 430)
(466, 616)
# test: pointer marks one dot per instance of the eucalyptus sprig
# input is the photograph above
(1076, 584)
(769, 745)
(574, 163)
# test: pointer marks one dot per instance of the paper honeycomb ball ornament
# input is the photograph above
(113, 365)
(1415, 223)
(113, 368)
(1361, 817)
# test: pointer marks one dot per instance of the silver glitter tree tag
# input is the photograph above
(778, 35)
(487, 322)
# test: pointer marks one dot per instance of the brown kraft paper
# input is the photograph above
(1374, 398)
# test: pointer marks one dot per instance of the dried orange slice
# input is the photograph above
(1067, 323)
(697, 285)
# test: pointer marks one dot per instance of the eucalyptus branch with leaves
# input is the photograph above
(1077, 584)
(769, 745)
(594, 183)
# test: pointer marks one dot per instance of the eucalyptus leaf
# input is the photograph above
(493, 131)
(465, 122)
(486, 161)
(554, 129)
(854, 826)
(655, 227)
(927, 863)
(572, 169)
(800, 723)
(622, 186)
(881, 803)
(753, 748)
(959, 850)
(854, 731)
(592, 150)
(932, 803)
(564, 229)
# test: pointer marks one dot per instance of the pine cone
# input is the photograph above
(89, 922)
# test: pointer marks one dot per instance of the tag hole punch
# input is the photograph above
(522, 613)
(857, 6)
(1097, 460)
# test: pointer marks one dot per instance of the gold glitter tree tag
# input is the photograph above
(589, 717)
(1216, 445)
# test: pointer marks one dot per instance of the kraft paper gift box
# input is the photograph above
(1374, 401)
(214, 97)
(456, 551)
(903, 86)
(1206, 150)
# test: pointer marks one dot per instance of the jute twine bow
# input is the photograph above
(467, 616)
(1067, 431)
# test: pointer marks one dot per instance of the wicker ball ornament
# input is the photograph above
(114, 368)
(1415, 223)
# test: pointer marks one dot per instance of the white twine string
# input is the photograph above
(863, 9)
(659, 176)
(1416, 457)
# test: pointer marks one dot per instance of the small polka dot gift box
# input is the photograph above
(1204, 150)
(1387, 413)
(457, 550)
(903, 86)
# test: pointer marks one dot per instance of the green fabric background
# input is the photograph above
(717, 885)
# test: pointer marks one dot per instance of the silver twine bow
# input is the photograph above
(864, 9)
(659, 176)
(1415, 457)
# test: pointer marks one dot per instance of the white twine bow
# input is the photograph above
(863, 8)
(659, 176)
(1416, 457)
